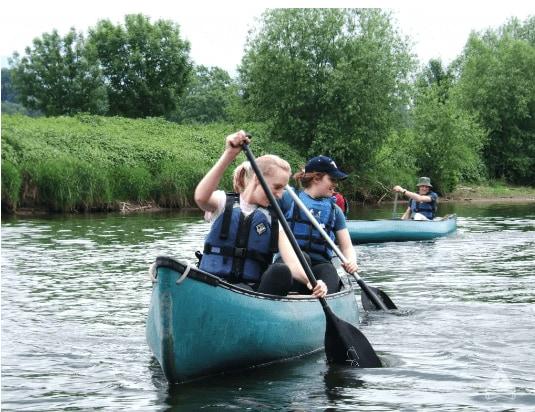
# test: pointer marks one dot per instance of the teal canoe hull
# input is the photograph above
(397, 230)
(203, 326)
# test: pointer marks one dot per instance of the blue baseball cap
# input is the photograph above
(324, 164)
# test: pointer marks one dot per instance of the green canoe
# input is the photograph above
(397, 230)
(200, 325)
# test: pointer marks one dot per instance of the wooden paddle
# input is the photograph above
(395, 205)
(344, 343)
(379, 298)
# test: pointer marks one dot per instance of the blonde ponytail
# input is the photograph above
(241, 177)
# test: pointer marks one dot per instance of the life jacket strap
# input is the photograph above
(242, 240)
(232, 198)
(263, 258)
(274, 244)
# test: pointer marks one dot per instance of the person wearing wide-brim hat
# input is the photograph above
(422, 205)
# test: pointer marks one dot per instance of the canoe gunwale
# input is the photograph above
(436, 220)
(212, 280)
(400, 230)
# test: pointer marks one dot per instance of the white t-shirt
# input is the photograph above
(221, 196)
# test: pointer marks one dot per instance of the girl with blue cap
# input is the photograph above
(318, 181)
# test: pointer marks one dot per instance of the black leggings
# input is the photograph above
(324, 271)
(276, 280)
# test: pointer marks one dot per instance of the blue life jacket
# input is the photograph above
(308, 237)
(238, 247)
(428, 209)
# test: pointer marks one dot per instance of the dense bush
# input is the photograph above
(92, 162)
(11, 184)
(448, 141)
(497, 84)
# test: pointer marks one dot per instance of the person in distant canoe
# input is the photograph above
(245, 232)
(342, 202)
(422, 205)
(319, 180)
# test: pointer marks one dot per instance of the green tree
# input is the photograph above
(447, 139)
(57, 76)
(146, 66)
(332, 81)
(435, 75)
(497, 83)
(211, 96)
(441, 140)
(8, 92)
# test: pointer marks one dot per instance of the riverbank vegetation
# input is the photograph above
(340, 82)
(493, 191)
(88, 162)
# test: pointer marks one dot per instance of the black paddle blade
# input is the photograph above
(346, 345)
(367, 304)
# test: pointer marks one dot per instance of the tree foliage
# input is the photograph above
(58, 76)
(441, 140)
(497, 83)
(447, 140)
(332, 81)
(9, 94)
(211, 96)
(146, 66)
(435, 75)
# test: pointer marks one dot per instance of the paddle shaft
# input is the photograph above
(334, 247)
(282, 221)
(395, 205)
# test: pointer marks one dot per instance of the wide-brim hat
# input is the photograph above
(324, 164)
(424, 181)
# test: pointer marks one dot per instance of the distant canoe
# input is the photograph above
(199, 325)
(397, 230)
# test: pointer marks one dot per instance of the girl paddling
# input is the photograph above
(244, 233)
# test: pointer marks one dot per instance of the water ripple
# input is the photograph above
(75, 294)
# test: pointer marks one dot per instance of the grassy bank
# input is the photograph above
(89, 163)
(492, 191)
(92, 163)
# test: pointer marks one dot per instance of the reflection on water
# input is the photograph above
(75, 294)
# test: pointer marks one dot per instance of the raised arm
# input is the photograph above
(204, 193)
(412, 195)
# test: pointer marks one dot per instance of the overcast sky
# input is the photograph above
(217, 30)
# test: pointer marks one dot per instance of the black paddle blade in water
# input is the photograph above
(367, 304)
(346, 345)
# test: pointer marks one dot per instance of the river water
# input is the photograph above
(75, 295)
